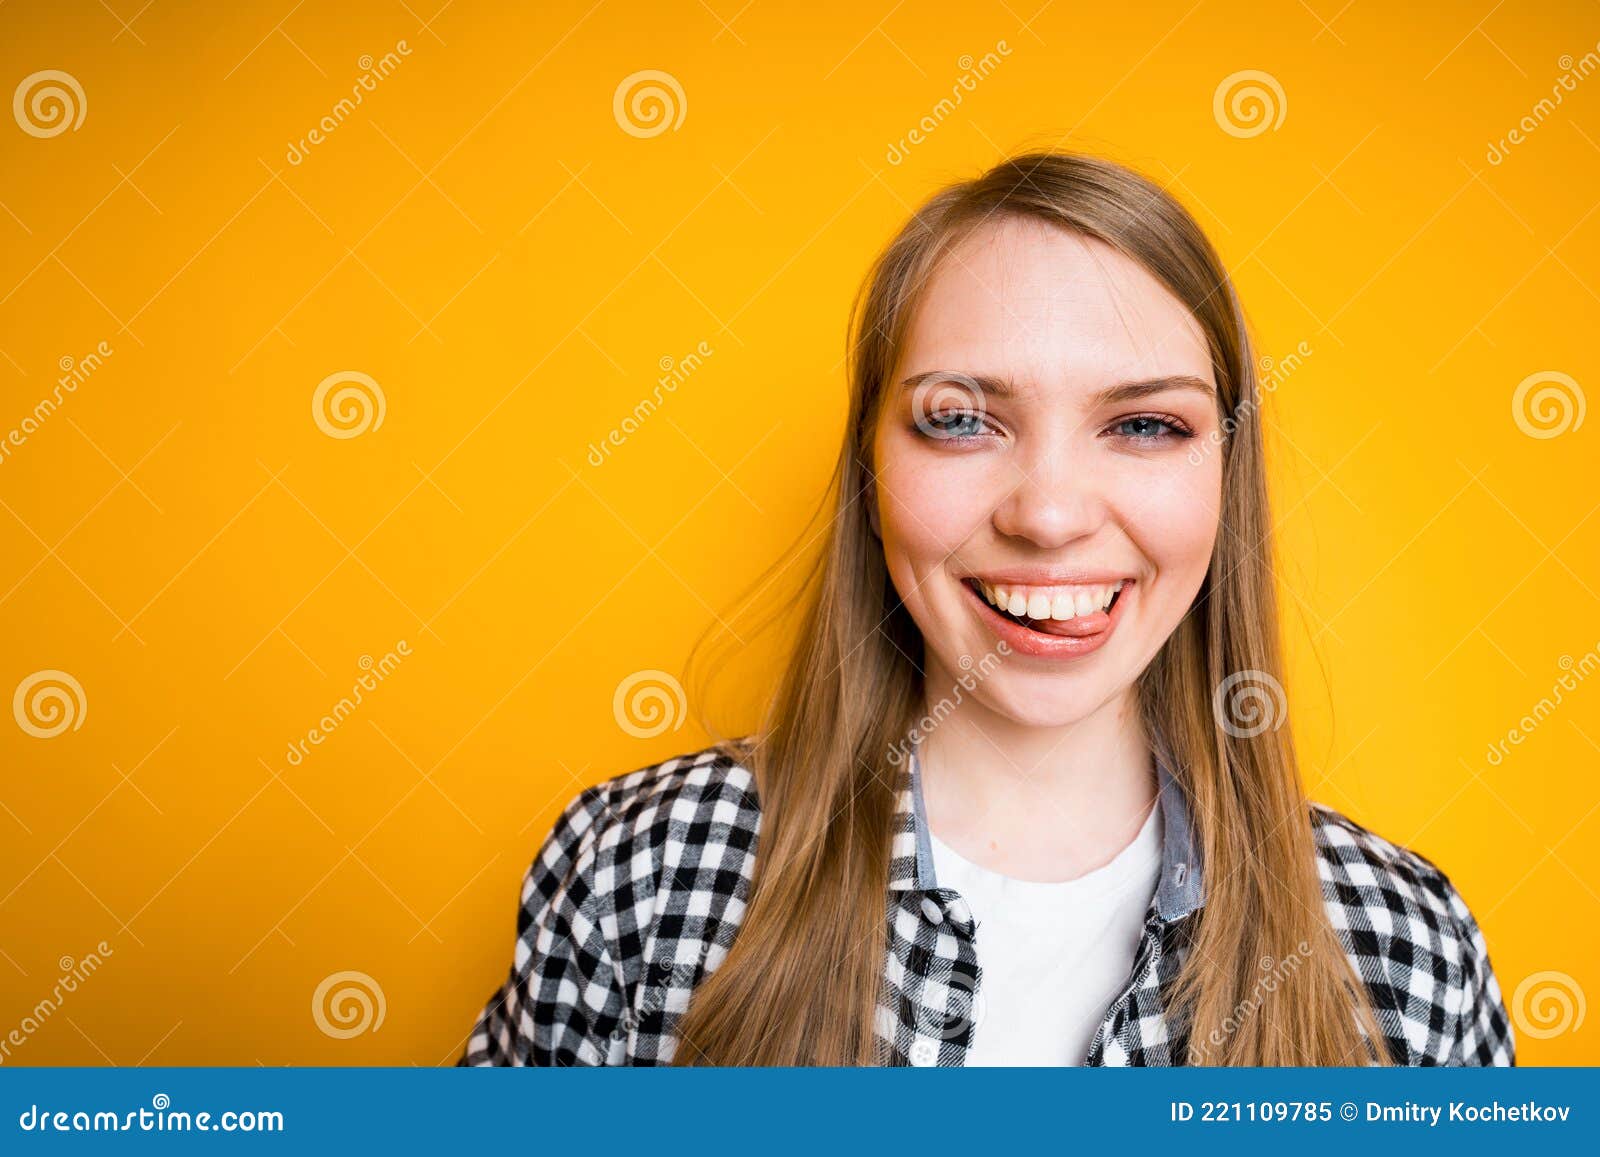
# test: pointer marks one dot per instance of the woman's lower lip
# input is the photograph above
(1030, 642)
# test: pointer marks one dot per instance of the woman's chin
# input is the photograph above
(1045, 709)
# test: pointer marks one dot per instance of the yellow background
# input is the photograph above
(483, 239)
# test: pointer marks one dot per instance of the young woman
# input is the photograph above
(1025, 793)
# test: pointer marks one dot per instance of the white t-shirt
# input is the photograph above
(1053, 955)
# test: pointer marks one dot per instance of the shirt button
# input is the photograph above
(924, 1053)
(959, 912)
(931, 909)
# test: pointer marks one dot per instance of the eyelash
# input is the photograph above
(1176, 427)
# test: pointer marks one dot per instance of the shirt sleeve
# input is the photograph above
(1485, 1036)
(562, 1002)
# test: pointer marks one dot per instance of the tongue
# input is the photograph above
(1090, 624)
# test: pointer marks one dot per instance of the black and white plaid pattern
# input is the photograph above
(638, 892)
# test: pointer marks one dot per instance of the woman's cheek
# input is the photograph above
(928, 510)
(1172, 515)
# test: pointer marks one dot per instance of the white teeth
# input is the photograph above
(1052, 602)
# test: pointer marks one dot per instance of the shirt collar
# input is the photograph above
(1179, 889)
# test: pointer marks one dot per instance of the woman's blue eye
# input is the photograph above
(951, 424)
(1147, 428)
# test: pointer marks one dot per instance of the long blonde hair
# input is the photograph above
(801, 982)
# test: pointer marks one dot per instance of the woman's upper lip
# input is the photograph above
(1038, 576)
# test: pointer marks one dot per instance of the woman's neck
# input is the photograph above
(1037, 803)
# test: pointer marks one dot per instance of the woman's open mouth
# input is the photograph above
(1051, 621)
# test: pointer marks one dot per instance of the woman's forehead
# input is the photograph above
(1049, 308)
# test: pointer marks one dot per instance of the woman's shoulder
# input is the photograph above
(1359, 855)
(1389, 888)
(1354, 857)
(715, 781)
(675, 810)
(1401, 918)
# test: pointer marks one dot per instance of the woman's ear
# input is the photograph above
(871, 499)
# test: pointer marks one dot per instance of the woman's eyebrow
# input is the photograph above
(1121, 392)
(1132, 391)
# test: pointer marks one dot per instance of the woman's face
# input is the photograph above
(1050, 433)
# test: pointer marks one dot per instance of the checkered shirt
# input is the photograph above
(639, 889)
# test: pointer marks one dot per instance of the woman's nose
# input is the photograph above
(1050, 501)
